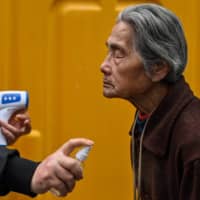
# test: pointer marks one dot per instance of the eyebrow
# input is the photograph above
(113, 46)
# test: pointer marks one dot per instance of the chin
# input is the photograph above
(109, 95)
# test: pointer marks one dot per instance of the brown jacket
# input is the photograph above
(171, 148)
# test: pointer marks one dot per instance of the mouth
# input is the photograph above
(107, 84)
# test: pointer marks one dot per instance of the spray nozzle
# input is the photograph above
(83, 153)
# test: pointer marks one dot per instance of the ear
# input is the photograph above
(159, 71)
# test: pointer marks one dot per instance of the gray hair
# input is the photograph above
(159, 37)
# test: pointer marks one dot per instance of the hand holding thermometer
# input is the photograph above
(10, 102)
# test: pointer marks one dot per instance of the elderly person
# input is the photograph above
(145, 63)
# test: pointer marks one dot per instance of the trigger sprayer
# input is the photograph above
(10, 102)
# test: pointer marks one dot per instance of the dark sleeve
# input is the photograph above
(190, 184)
(15, 172)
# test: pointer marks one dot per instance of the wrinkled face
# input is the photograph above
(123, 70)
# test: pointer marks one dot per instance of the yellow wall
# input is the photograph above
(53, 49)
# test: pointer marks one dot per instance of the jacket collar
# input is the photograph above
(159, 127)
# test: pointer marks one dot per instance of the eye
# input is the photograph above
(115, 51)
(118, 53)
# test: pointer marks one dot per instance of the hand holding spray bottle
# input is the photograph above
(81, 155)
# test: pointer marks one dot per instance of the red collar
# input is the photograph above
(143, 116)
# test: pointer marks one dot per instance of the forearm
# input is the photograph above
(15, 173)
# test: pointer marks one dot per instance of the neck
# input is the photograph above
(149, 101)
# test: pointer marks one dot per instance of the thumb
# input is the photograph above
(71, 144)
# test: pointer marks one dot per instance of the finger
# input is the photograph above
(19, 115)
(59, 188)
(10, 138)
(22, 117)
(27, 121)
(66, 177)
(55, 192)
(69, 146)
(9, 127)
(72, 165)
(26, 127)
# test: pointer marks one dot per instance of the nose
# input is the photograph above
(106, 66)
